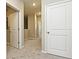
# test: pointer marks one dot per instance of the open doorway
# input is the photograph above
(32, 24)
(12, 26)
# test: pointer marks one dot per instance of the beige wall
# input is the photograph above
(19, 5)
(31, 26)
(34, 27)
(39, 25)
(26, 34)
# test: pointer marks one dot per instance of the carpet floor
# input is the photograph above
(32, 50)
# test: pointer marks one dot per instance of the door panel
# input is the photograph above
(58, 14)
(59, 34)
(58, 43)
(13, 21)
(13, 28)
(14, 38)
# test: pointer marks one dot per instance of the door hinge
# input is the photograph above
(18, 28)
(18, 42)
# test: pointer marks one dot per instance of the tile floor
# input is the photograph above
(32, 50)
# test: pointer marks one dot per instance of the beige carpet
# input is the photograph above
(32, 50)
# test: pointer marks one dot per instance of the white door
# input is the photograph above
(13, 29)
(59, 24)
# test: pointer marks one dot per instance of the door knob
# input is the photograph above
(48, 32)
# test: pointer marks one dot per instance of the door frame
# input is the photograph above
(16, 10)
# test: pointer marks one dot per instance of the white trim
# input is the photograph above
(21, 47)
(33, 38)
(11, 6)
(43, 51)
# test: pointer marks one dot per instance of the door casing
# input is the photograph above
(16, 11)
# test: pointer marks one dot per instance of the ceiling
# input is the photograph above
(30, 9)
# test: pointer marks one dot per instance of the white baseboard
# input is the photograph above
(33, 38)
(21, 47)
(43, 51)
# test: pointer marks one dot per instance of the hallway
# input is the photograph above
(40, 27)
(32, 50)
